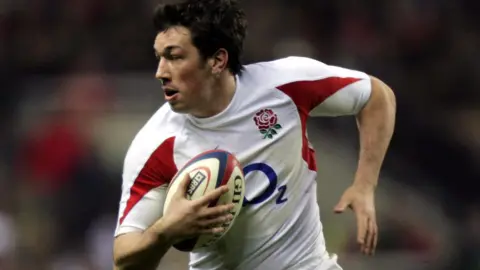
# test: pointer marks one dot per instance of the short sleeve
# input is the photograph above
(145, 181)
(323, 90)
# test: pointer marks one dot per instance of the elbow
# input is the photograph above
(382, 95)
(122, 262)
(120, 256)
(390, 97)
(118, 260)
(130, 251)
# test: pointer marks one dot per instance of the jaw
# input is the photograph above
(178, 107)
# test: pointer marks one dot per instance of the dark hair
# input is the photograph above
(214, 24)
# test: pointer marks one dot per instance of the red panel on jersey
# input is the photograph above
(307, 95)
(158, 170)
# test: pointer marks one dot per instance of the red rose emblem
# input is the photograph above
(265, 119)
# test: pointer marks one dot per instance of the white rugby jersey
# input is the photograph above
(264, 126)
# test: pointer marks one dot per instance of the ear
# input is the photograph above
(219, 61)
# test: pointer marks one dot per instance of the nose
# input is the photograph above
(162, 73)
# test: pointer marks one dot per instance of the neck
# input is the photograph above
(223, 91)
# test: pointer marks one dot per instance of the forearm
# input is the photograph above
(142, 250)
(376, 123)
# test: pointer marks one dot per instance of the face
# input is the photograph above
(186, 77)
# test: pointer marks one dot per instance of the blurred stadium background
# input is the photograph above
(77, 82)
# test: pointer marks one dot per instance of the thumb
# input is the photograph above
(341, 206)
(183, 187)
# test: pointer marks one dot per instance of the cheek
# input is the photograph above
(192, 81)
(196, 86)
(188, 82)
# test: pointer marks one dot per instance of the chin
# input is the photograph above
(178, 108)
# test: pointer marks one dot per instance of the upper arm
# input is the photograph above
(323, 90)
(145, 181)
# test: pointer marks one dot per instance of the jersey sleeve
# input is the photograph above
(145, 181)
(324, 90)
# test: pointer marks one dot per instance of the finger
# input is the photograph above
(369, 238)
(372, 236)
(361, 229)
(365, 245)
(216, 211)
(182, 190)
(212, 195)
(218, 221)
(341, 206)
(375, 239)
(214, 230)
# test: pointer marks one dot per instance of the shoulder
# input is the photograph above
(155, 139)
(284, 70)
(294, 68)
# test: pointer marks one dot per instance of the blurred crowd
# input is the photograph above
(58, 192)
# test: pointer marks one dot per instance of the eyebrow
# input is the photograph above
(167, 49)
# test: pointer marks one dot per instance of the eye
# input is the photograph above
(174, 57)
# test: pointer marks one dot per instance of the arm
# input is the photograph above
(183, 219)
(142, 250)
(145, 230)
(334, 91)
(140, 237)
(324, 90)
(376, 124)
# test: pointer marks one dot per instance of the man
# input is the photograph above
(258, 112)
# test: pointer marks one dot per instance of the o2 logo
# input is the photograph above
(272, 189)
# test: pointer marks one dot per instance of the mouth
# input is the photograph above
(170, 94)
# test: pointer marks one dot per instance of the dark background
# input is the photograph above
(76, 83)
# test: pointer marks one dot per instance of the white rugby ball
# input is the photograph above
(208, 171)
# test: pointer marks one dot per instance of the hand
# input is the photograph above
(361, 201)
(186, 219)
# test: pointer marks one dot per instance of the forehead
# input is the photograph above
(176, 36)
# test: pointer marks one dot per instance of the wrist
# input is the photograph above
(364, 186)
(365, 183)
(366, 178)
(164, 232)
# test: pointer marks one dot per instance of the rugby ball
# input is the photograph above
(208, 171)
